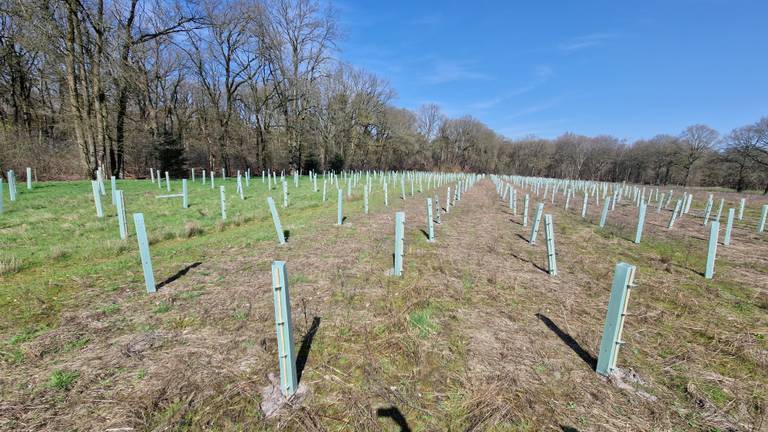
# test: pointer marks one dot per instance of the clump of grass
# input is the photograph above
(9, 265)
(77, 344)
(58, 253)
(192, 229)
(62, 379)
(28, 333)
(110, 309)
(221, 225)
(422, 320)
(161, 307)
(169, 235)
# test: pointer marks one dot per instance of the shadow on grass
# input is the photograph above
(178, 275)
(571, 342)
(530, 262)
(306, 346)
(287, 234)
(396, 416)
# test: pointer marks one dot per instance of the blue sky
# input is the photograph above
(630, 68)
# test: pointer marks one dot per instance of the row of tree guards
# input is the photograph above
(611, 194)
(280, 289)
(507, 187)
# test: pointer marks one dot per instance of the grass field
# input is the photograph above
(474, 336)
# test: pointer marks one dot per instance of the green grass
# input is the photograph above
(63, 379)
(54, 246)
(423, 321)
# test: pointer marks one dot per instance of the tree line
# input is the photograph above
(130, 84)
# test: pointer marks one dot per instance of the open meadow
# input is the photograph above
(476, 334)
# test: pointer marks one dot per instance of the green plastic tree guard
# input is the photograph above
(714, 232)
(742, 203)
(604, 214)
(1, 194)
(340, 210)
(720, 209)
(167, 182)
(623, 280)
(549, 237)
(584, 206)
(276, 220)
(223, 200)
(146, 258)
(526, 202)
(448, 200)
(184, 194)
(536, 223)
(120, 203)
(708, 211)
(365, 199)
(112, 189)
(97, 199)
(514, 202)
(12, 185)
(430, 221)
(640, 222)
(763, 215)
(285, 194)
(729, 227)
(399, 243)
(678, 208)
(284, 327)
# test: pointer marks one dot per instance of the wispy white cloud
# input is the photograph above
(448, 71)
(585, 41)
(533, 109)
(542, 74)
